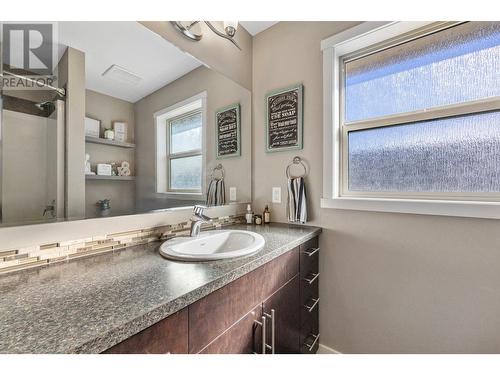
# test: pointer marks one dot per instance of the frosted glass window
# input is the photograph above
(185, 133)
(185, 173)
(455, 65)
(457, 154)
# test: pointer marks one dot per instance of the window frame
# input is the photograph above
(364, 39)
(184, 154)
(162, 119)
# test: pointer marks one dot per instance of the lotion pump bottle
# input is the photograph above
(249, 214)
(266, 215)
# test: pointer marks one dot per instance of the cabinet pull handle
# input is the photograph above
(311, 278)
(310, 252)
(264, 335)
(272, 316)
(310, 308)
(263, 325)
(311, 346)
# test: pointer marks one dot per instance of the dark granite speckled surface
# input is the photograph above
(88, 305)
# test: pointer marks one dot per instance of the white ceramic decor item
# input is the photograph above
(87, 165)
(109, 134)
(124, 169)
(120, 129)
(104, 169)
(92, 127)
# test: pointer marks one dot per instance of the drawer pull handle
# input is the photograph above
(311, 278)
(310, 307)
(311, 345)
(310, 252)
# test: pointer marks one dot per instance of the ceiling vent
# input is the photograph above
(119, 74)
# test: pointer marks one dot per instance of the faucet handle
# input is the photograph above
(198, 209)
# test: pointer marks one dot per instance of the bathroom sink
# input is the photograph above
(213, 245)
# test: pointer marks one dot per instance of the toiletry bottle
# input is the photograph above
(267, 215)
(258, 219)
(249, 214)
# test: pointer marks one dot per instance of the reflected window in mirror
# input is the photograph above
(184, 152)
(180, 140)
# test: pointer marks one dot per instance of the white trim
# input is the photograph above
(348, 41)
(160, 124)
(487, 210)
(323, 349)
(365, 35)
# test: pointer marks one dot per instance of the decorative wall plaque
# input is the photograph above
(227, 126)
(284, 119)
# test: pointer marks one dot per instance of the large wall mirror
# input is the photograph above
(131, 124)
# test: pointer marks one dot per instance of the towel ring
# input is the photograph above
(218, 168)
(296, 161)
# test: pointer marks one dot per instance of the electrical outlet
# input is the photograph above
(232, 193)
(276, 195)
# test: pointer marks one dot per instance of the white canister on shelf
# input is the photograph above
(109, 134)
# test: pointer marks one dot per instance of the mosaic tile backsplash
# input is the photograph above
(45, 254)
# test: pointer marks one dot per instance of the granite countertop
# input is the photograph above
(88, 305)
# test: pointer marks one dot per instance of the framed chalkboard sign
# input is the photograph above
(227, 126)
(284, 119)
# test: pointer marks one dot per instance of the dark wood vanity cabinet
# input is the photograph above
(169, 335)
(309, 296)
(279, 299)
(243, 337)
(283, 307)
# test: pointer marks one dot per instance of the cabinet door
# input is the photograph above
(286, 306)
(244, 337)
(169, 335)
(212, 315)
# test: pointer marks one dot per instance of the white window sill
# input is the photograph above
(478, 209)
(182, 196)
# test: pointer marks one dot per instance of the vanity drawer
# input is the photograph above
(309, 286)
(309, 332)
(309, 257)
(309, 308)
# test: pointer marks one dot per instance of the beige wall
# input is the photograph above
(121, 193)
(390, 283)
(71, 70)
(221, 92)
(217, 53)
(25, 158)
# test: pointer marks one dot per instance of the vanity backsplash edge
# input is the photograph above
(17, 259)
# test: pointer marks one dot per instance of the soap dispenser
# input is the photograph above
(249, 214)
(266, 216)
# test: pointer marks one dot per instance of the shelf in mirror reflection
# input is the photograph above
(109, 142)
(113, 178)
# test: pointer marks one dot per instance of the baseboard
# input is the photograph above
(323, 349)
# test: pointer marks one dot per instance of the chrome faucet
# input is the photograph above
(198, 219)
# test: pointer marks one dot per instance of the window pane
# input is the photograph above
(455, 65)
(185, 133)
(185, 173)
(459, 154)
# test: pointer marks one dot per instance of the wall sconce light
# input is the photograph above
(192, 30)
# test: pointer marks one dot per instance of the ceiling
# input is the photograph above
(255, 27)
(130, 46)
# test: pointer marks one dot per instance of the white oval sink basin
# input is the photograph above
(213, 245)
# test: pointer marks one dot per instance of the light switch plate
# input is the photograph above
(276, 195)
(232, 193)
